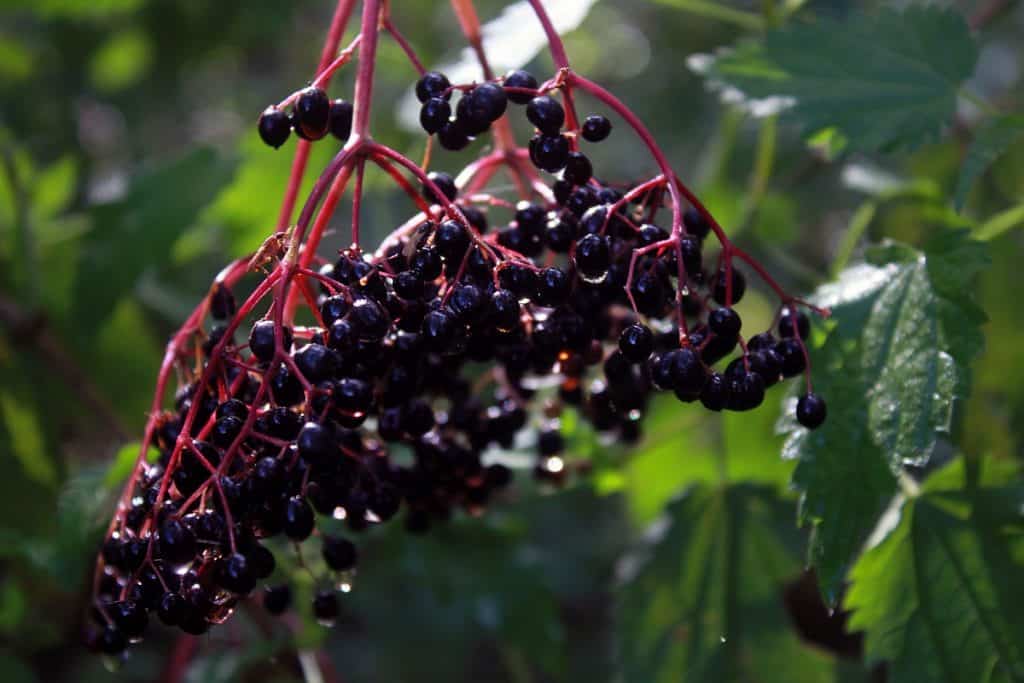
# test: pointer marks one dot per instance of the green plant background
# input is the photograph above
(131, 172)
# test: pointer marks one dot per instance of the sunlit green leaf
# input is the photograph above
(905, 330)
(883, 81)
(936, 596)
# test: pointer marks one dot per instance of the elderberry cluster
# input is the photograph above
(312, 118)
(418, 363)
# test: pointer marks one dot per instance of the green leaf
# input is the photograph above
(124, 462)
(904, 330)
(937, 596)
(990, 141)
(121, 61)
(882, 81)
(706, 604)
(136, 232)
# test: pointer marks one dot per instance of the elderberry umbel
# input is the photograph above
(466, 332)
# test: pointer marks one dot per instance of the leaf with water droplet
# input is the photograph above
(904, 330)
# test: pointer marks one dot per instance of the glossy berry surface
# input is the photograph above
(432, 84)
(595, 128)
(311, 116)
(811, 411)
(274, 127)
(520, 79)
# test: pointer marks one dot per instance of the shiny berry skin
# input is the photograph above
(578, 168)
(274, 127)
(793, 323)
(339, 553)
(334, 308)
(792, 356)
(298, 519)
(466, 303)
(427, 262)
(277, 599)
(171, 609)
(546, 113)
(261, 561)
(746, 391)
(408, 285)
(520, 280)
(325, 607)
(520, 79)
(312, 113)
(444, 182)
(452, 240)
(261, 339)
(715, 394)
(636, 342)
(235, 574)
(595, 128)
(688, 373)
(339, 119)
(811, 411)
(591, 256)
(316, 362)
(369, 319)
(550, 442)
(725, 322)
(503, 310)
(549, 153)
(553, 287)
(316, 443)
(437, 330)
(177, 543)
(432, 84)
(739, 286)
(453, 137)
(696, 224)
(489, 101)
(434, 113)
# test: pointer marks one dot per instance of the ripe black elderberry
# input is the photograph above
(591, 257)
(434, 114)
(520, 79)
(312, 113)
(546, 114)
(274, 127)
(432, 84)
(811, 411)
(636, 342)
(445, 183)
(549, 153)
(595, 128)
(725, 322)
(793, 323)
(340, 119)
(453, 137)
(577, 168)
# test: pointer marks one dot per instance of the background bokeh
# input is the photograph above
(131, 172)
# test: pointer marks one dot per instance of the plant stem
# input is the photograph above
(364, 76)
(342, 13)
(859, 224)
(27, 263)
(720, 12)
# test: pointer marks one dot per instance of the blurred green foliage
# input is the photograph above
(131, 173)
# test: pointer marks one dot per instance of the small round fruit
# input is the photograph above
(340, 119)
(277, 599)
(595, 128)
(432, 84)
(312, 113)
(520, 79)
(274, 127)
(636, 342)
(434, 113)
(546, 113)
(811, 411)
